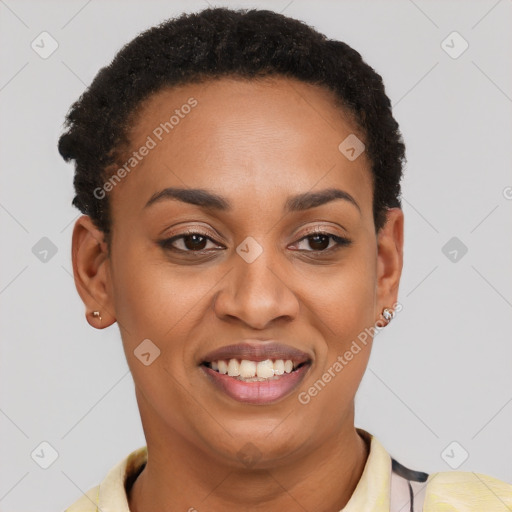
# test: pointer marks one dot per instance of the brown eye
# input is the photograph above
(187, 242)
(320, 242)
(194, 242)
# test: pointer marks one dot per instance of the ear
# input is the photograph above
(390, 242)
(91, 270)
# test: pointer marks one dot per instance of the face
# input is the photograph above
(278, 247)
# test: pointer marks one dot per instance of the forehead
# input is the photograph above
(272, 135)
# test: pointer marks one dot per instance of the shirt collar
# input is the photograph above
(373, 489)
(112, 494)
(371, 492)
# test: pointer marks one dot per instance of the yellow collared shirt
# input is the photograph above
(378, 490)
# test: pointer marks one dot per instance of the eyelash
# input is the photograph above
(339, 242)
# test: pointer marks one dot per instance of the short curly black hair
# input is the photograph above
(214, 43)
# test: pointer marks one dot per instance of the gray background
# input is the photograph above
(441, 372)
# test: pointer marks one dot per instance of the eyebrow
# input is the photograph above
(210, 200)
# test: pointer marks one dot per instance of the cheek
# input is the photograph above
(162, 302)
(343, 297)
(344, 315)
(342, 309)
(153, 296)
(154, 302)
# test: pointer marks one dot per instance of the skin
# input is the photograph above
(255, 143)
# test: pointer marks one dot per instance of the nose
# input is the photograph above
(257, 294)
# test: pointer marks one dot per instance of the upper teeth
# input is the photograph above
(248, 369)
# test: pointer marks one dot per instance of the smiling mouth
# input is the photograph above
(256, 372)
(246, 370)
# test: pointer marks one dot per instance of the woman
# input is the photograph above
(239, 176)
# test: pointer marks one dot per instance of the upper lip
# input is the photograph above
(259, 351)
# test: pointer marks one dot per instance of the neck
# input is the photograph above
(179, 476)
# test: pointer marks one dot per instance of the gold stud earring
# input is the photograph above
(96, 314)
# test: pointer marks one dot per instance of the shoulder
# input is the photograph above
(460, 490)
(111, 493)
(87, 503)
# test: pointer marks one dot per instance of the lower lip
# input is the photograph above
(257, 392)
